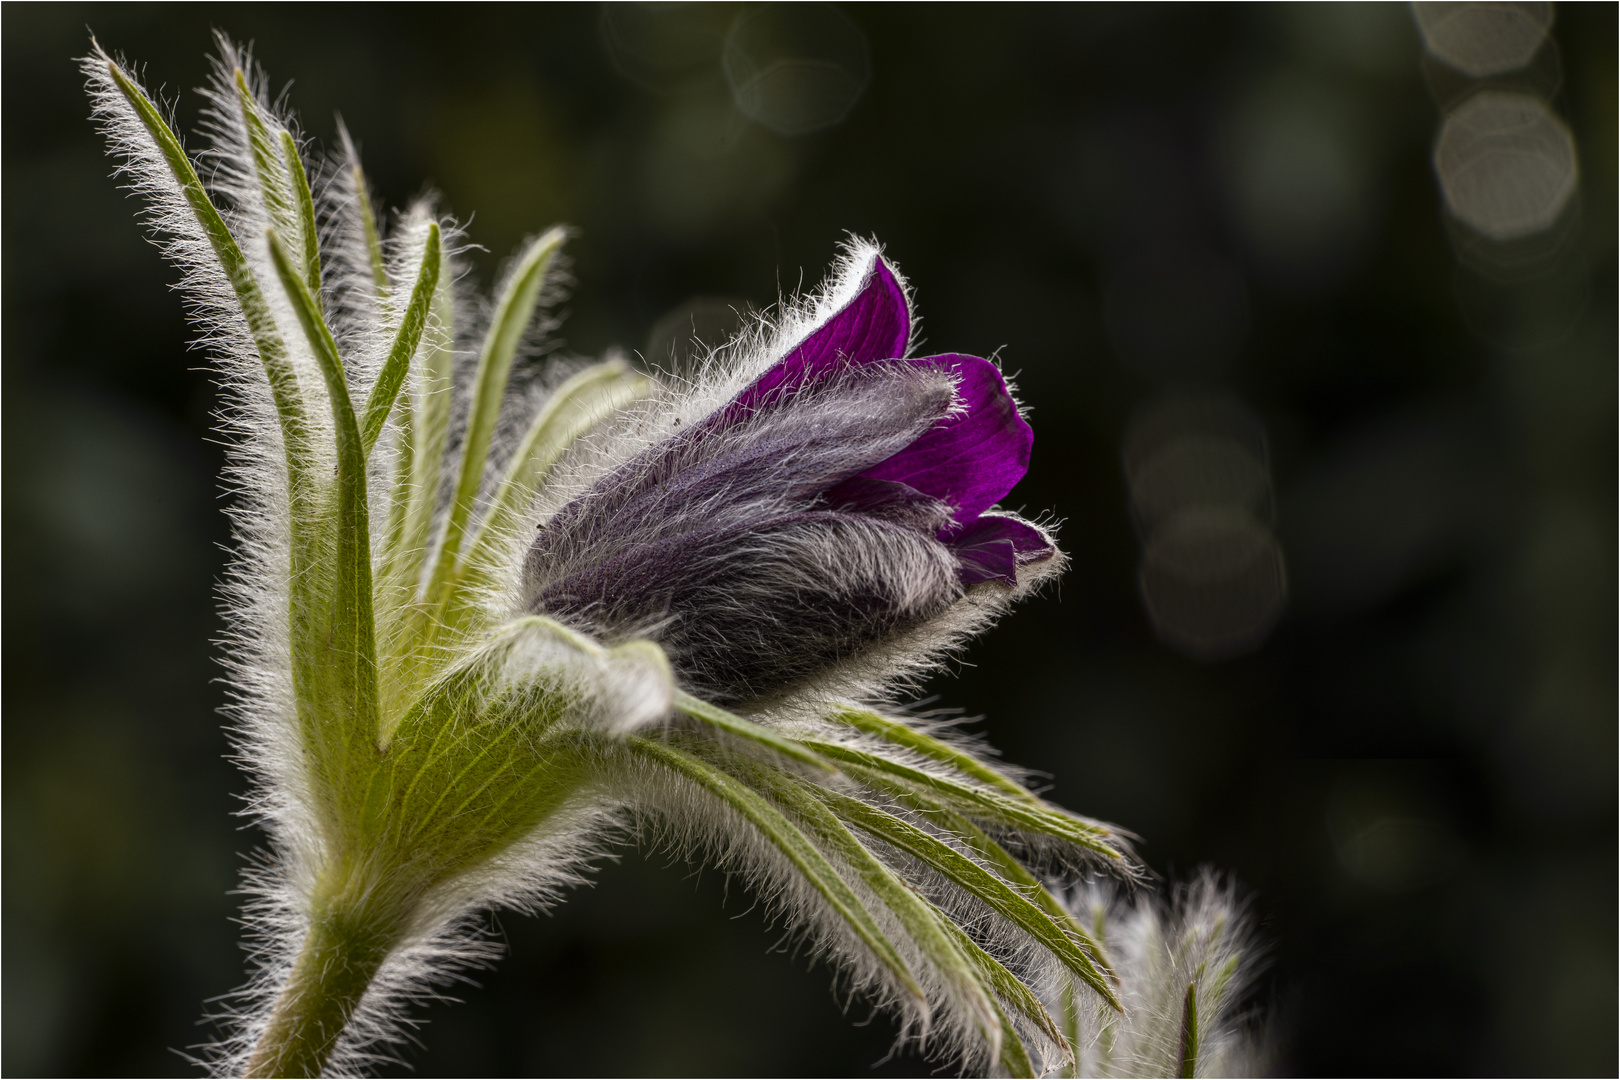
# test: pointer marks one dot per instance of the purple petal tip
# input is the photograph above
(991, 548)
(874, 325)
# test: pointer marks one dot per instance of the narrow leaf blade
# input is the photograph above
(1002, 862)
(976, 800)
(924, 922)
(268, 165)
(976, 880)
(304, 206)
(345, 650)
(909, 738)
(1188, 1065)
(794, 845)
(579, 404)
(721, 720)
(384, 392)
(1009, 987)
(261, 323)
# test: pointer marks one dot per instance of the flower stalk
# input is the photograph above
(346, 944)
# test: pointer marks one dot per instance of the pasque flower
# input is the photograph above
(839, 500)
(480, 633)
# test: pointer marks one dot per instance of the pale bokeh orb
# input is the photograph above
(1483, 39)
(1506, 164)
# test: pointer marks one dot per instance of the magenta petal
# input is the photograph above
(991, 548)
(993, 560)
(1025, 538)
(874, 325)
(973, 458)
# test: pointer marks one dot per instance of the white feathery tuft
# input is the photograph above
(1200, 936)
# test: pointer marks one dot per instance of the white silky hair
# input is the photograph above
(1200, 935)
(629, 691)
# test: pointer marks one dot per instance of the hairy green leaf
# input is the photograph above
(1071, 1023)
(304, 206)
(974, 801)
(423, 429)
(909, 738)
(1016, 874)
(1014, 1055)
(418, 639)
(380, 402)
(1188, 1063)
(1008, 986)
(342, 711)
(278, 368)
(976, 880)
(721, 720)
(368, 222)
(794, 845)
(1215, 989)
(470, 770)
(924, 922)
(333, 653)
(268, 163)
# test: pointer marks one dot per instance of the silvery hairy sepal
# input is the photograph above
(480, 633)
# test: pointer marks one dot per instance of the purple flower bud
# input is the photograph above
(842, 497)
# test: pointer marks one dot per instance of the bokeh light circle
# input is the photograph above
(1506, 164)
(796, 68)
(1198, 471)
(1483, 39)
(663, 47)
(1213, 582)
(1195, 449)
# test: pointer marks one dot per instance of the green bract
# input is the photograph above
(425, 745)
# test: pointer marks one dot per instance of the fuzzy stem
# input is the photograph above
(346, 945)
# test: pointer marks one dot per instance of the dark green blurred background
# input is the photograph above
(1414, 776)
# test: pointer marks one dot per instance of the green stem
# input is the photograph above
(341, 955)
